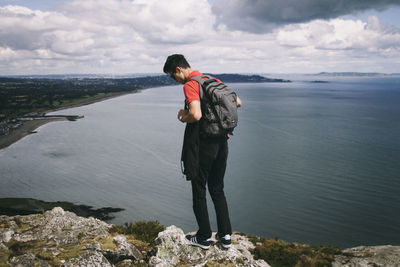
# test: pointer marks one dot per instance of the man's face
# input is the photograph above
(178, 76)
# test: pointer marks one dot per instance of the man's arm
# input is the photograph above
(238, 102)
(191, 115)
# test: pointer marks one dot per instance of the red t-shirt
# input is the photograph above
(191, 88)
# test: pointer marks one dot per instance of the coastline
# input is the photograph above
(93, 101)
(29, 127)
(27, 206)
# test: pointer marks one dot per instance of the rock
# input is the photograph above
(173, 249)
(28, 259)
(89, 259)
(364, 256)
(124, 250)
(57, 211)
(60, 227)
(3, 247)
(63, 238)
(6, 236)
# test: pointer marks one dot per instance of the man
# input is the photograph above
(213, 153)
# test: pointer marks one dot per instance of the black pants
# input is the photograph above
(213, 156)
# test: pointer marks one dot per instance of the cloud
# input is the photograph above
(260, 16)
(110, 33)
(341, 44)
(171, 21)
(320, 45)
(340, 34)
(121, 36)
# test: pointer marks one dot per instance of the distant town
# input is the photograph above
(27, 98)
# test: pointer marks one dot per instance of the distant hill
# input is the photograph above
(81, 76)
(21, 95)
(151, 77)
(350, 74)
(240, 78)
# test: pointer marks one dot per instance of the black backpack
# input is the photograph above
(218, 107)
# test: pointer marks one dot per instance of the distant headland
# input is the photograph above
(25, 206)
(354, 74)
(239, 78)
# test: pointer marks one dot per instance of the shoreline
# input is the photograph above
(29, 127)
(14, 206)
(93, 101)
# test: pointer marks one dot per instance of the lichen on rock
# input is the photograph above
(60, 238)
(172, 249)
(366, 256)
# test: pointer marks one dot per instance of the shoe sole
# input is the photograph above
(198, 245)
(226, 246)
(219, 241)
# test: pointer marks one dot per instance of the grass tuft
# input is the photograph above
(141, 230)
(279, 253)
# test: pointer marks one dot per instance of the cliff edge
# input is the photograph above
(61, 238)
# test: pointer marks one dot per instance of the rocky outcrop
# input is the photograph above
(172, 250)
(61, 238)
(364, 256)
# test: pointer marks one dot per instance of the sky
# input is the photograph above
(217, 36)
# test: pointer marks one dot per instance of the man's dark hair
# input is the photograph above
(173, 61)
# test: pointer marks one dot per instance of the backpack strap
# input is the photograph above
(201, 81)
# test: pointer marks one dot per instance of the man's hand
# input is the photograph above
(181, 114)
(191, 115)
(238, 102)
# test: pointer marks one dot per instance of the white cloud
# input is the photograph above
(340, 34)
(171, 21)
(134, 33)
(136, 36)
(6, 54)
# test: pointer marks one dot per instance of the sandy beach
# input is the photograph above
(27, 128)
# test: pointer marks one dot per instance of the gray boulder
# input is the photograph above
(58, 227)
(89, 259)
(28, 259)
(363, 256)
(124, 250)
(62, 238)
(172, 249)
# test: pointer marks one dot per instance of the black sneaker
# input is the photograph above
(194, 241)
(225, 241)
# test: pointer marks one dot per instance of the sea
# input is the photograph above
(310, 162)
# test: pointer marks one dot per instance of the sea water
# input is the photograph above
(315, 163)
